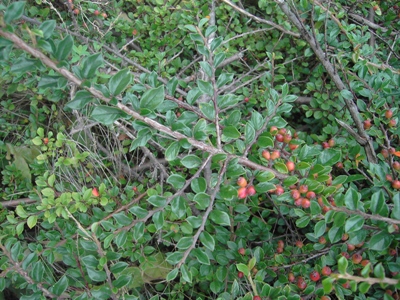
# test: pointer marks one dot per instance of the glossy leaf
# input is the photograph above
(191, 161)
(220, 218)
(119, 82)
(107, 115)
(207, 240)
(64, 48)
(152, 98)
(90, 65)
(60, 286)
(80, 100)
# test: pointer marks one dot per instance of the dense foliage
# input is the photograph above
(199, 149)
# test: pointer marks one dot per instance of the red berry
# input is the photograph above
(310, 195)
(275, 154)
(346, 285)
(242, 182)
(242, 251)
(240, 274)
(279, 190)
(357, 258)
(266, 154)
(385, 153)
(95, 192)
(135, 189)
(256, 298)
(396, 165)
(301, 284)
(392, 252)
(134, 32)
(396, 184)
(326, 271)
(290, 166)
(291, 277)
(350, 247)
(305, 203)
(96, 12)
(303, 189)
(331, 142)
(279, 250)
(104, 15)
(325, 145)
(299, 244)
(364, 262)
(76, 11)
(298, 201)
(279, 137)
(345, 254)
(282, 131)
(251, 190)
(345, 237)
(322, 240)
(246, 99)
(273, 130)
(242, 193)
(295, 194)
(392, 123)
(281, 244)
(287, 138)
(339, 165)
(314, 276)
(388, 114)
(293, 146)
(45, 140)
(367, 124)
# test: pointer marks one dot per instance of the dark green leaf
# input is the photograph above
(216, 43)
(354, 223)
(205, 87)
(186, 274)
(152, 98)
(172, 151)
(119, 82)
(219, 58)
(220, 218)
(206, 68)
(329, 157)
(118, 267)
(396, 208)
(23, 64)
(184, 243)
(158, 220)
(191, 161)
(37, 271)
(319, 228)
(138, 231)
(96, 275)
(199, 185)
(80, 100)
(177, 181)
(156, 201)
(208, 110)
(47, 27)
(207, 240)
(122, 281)
(64, 48)
(90, 65)
(223, 79)
(14, 11)
(202, 200)
(107, 115)
(249, 133)
(380, 241)
(231, 132)
(379, 271)
(335, 234)
(143, 136)
(351, 198)
(303, 221)
(201, 256)
(178, 207)
(60, 286)
(172, 275)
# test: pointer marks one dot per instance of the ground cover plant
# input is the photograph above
(199, 149)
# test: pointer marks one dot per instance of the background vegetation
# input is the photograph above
(199, 149)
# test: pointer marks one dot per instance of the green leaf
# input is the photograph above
(207, 240)
(243, 268)
(47, 27)
(346, 94)
(208, 110)
(354, 223)
(342, 265)
(223, 79)
(199, 185)
(177, 181)
(14, 11)
(143, 136)
(351, 198)
(249, 133)
(327, 285)
(329, 157)
(152, 98)
(379, 271)
(207, 68)
(172, 151)
(37, 271)
(216, 43)
(32, 220)
(119, 82)
(60, 286)
(396, 207)
(90, 64)
(319, 228)
(205, 87)
(377, 201)
(364, 287)
(122, 281)
(281, 167)
(107, 115)
(202, 200)
(303, 221)
(201, 256)
(186, 274)
(219, 58)
(172, 274)
(96, 275)
(64, 48)
(380, 241)
(210, 29)
(118, 267)
(184, 243)
(335, 234)
(157, 201)
(220, 218)
(178, 207)
(23, 64)
(231, 132)
(21, 212)
(80, 100)
(158, 220)
(191, 161)
(138, 231)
